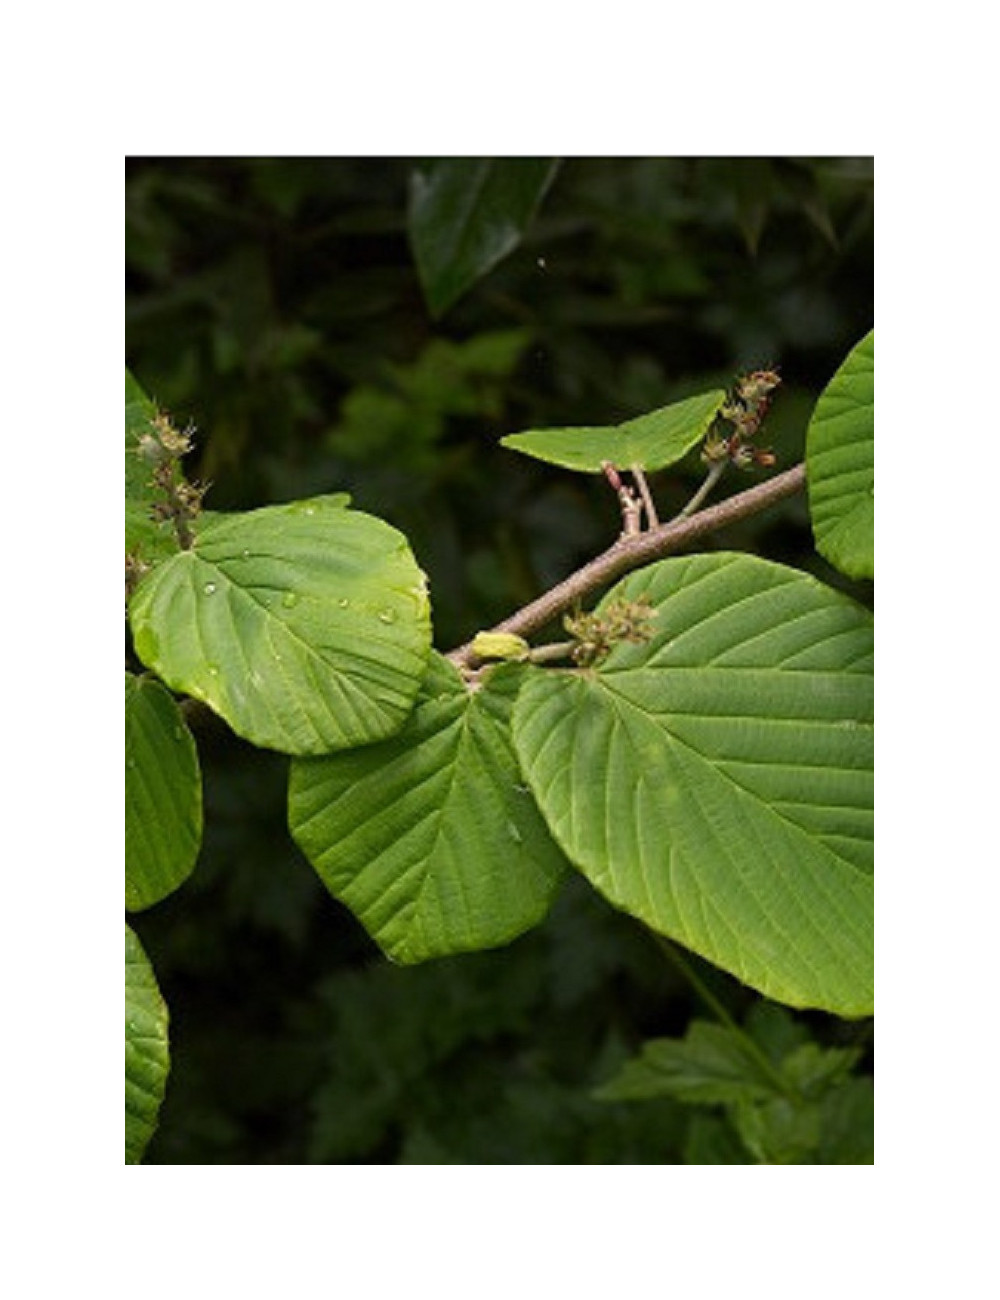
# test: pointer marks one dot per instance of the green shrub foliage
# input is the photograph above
(694, 743)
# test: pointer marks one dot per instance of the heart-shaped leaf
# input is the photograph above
(716, 780)
(466, 214)
(305, 626)
(840, 465)
(431, 837)
(147, 1050)
(649, 442)
(163, 817)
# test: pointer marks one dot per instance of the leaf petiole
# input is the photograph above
(711, 478)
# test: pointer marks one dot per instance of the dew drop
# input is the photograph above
(213, 670)
(387, 615)
(246, 553)
(343, 602)
(209, 588)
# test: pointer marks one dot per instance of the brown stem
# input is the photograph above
(631, 552)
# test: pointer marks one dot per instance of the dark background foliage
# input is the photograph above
(276, 305)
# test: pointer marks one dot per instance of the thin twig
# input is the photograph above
(631, 552)
(544, 654)
(652, 518)
(630, 504)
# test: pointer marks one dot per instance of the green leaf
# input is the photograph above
(840, 465)
(779, 1131)
(847, 1128)
(813, 1070)
(711, 1141)
(716, 781)
(146, 537)
(466, 214)
(650, 441)
(163, 818)
(431, 838)
(775, 1029)
(147, 1050)
(305, 626)
(709, 1066)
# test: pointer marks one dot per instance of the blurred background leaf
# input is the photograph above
(275, 302)
(466, 214)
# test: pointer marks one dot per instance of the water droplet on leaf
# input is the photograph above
(387, 615)
(209, 588)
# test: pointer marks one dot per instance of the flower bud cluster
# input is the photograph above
(180, 502)
(745, 411)
(595, 633)
(161, 447)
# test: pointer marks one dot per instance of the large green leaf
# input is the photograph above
(431, 838)
(147, 1049)
(840, 464)
(305, 626)
(716, 781)
(466, 214)
(163, 816)
(650, 441)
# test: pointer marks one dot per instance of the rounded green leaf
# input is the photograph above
(305, 626)
(163, 817)
(840, 465)
(716, 780)
(431, 838)
(147, 1049)
(649, 442)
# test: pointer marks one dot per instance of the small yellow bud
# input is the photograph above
(499, 645)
